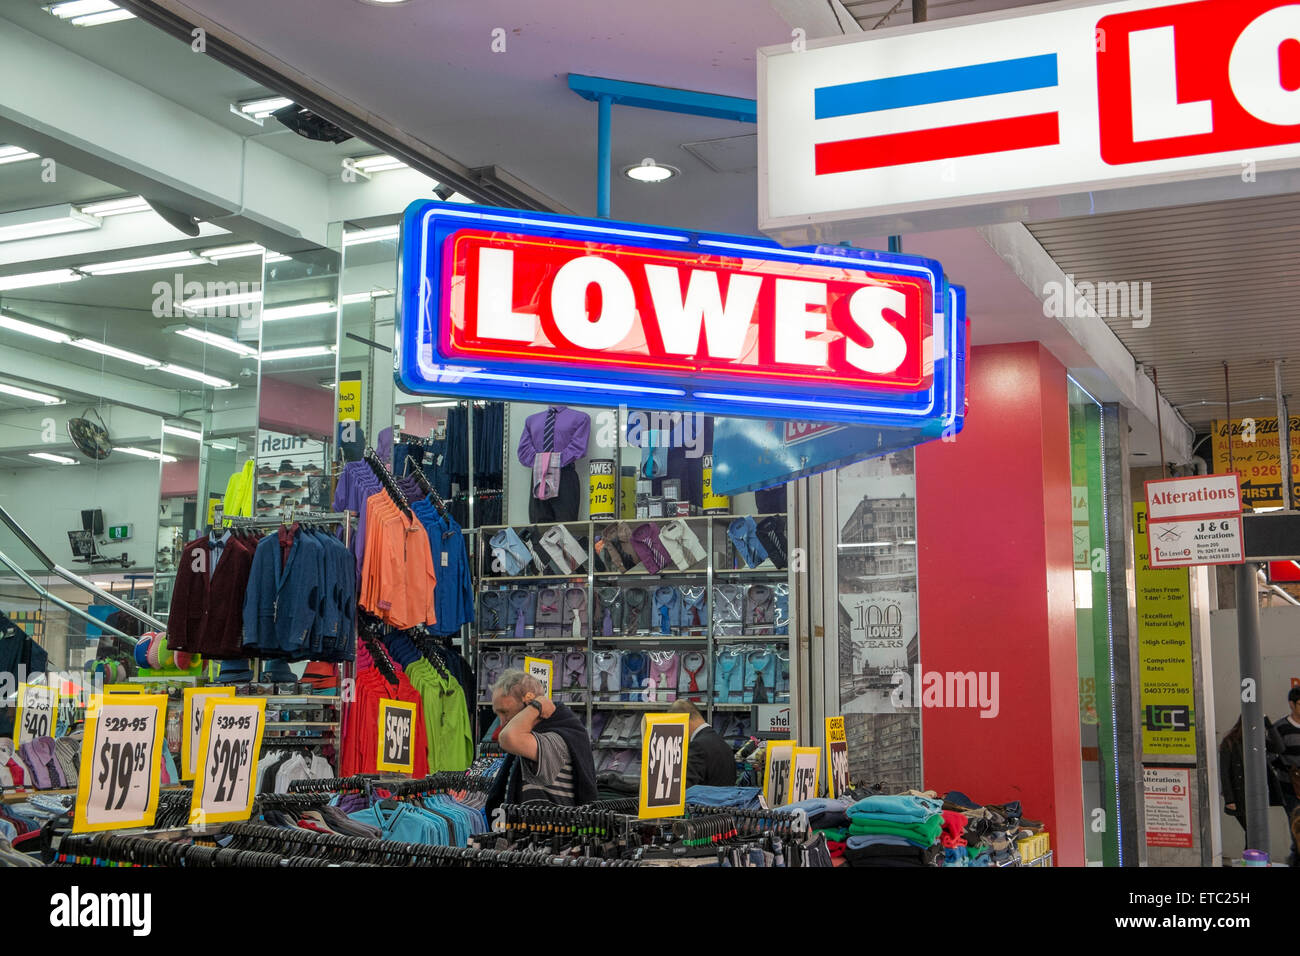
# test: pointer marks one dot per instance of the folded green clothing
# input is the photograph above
(925, 833)
(839, 835)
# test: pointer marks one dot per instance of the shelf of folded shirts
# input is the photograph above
(484, 582)
(675, 640)
(746, 638)
(718, 572)
(694, 572)
(489, 639)
(333, 699)
(630, 704)
(533, 524)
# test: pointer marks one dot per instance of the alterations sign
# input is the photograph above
(1194, 520)
(1252, 448)
(527, 306)
(996, 110)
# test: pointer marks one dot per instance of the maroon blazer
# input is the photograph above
(207, 612)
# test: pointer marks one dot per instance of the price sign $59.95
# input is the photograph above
(117, 786)
(396, 750)
(229, 745)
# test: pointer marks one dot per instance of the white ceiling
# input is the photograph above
(1221, 279)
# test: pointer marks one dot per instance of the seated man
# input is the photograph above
(710, 761)
(549, 741)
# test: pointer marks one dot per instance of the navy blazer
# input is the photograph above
(282, 606)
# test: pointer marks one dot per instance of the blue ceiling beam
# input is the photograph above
(665, 98)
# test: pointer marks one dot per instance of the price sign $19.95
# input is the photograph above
(118, 782)
(229, 745)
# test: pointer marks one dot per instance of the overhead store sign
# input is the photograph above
(1194, 520)
(998, 109)
(1252, 448)
(534, 307)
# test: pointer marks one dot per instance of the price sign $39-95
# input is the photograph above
(231, 739)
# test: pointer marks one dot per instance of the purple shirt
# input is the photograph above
(572, 428)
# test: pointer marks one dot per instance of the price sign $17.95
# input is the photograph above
(118, 783)
(229, 745)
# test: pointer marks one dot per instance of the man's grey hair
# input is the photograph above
(516, 683)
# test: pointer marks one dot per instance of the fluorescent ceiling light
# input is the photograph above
(144, 453)
(300, 311)
(360, 236)
(112, 351)
(117, 207)
(377, 164)
(307, 351)
(197, 376)
(57, 459)
(145, 264)
(224, 445)
(220, 302)
(44, 221)
(182, 433)
(222, 253)
(446, 404)
(264, 106)
(89, 13)
(218, 341)
(41, 397)
(15, 154)
(26, 280)
(275, 257)
(356, 297)
(38, 331)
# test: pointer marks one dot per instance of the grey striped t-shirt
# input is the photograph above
(550, 777)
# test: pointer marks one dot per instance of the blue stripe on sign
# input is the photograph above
(936, 86)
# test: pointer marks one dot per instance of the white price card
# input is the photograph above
(120, 763)
(38, 712)
(229, 746)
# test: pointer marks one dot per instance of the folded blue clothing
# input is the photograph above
(898, 808)
(955, 856)
(857, 841)
(822, 812)
(743, 798)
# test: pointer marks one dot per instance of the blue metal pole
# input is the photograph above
(602, 156)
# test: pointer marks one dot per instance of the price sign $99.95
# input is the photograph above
(229, 745)
(118, 783)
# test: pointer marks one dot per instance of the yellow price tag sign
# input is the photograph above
(38, 712)
(121, 766)
(396, 752)
(713, 504)
(601, 488)
(543, 670)
(663, 765)
(230, 744)
(837, 756)
(776, 772)
(805, 773)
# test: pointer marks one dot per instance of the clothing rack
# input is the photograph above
(784, 822)
(422, 479)
(549, 820)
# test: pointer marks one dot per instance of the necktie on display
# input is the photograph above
(546, 466)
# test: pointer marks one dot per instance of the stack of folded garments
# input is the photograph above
(830, 818)
(898, 830)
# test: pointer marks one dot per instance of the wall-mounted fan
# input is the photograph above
(91, 438)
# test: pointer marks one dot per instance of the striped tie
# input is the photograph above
(548, 431)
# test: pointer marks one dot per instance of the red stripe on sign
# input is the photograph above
(946, 142)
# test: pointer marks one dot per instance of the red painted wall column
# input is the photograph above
(996, 593)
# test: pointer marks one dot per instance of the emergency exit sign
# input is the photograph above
(119, 532)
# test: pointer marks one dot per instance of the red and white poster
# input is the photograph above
(1168, 806)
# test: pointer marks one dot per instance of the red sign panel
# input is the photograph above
(1198, 78)
(592, 304)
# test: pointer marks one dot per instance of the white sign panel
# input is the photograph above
(1195, 496)
(998, 109)
(1177, 544)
